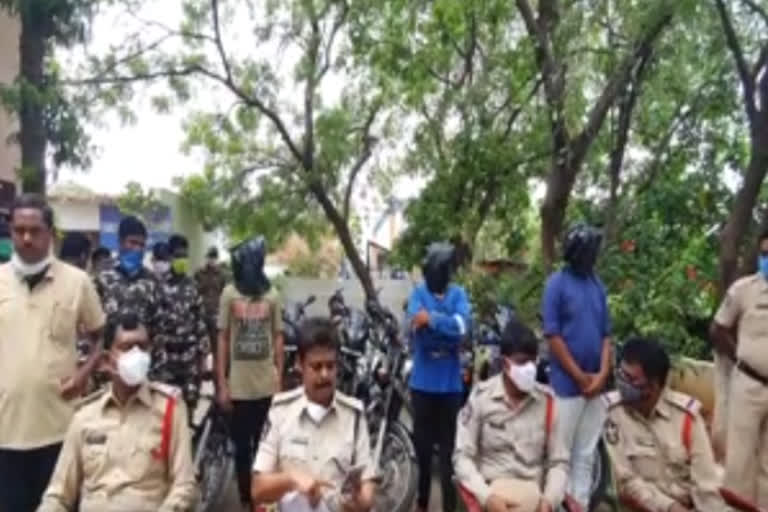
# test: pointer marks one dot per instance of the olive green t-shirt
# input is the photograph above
(252, 324)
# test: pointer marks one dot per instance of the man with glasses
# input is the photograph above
(656, 438)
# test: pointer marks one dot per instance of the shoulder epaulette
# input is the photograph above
(612, 399)
(682, 401)
(165, 389)
(348, 401)
(91, 398)
(544, 389)
(287, 397)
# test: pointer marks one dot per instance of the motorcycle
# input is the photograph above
(354, 329)
(291, 325)
(384, 394)
(213, 454)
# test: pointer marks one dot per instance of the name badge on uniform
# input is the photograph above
(95, 438)
(496, 426)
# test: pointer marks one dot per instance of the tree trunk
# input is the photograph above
(32, 47)
(559, 185)
(345, 237)
(739, 220)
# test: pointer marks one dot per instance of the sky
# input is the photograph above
(148, 151)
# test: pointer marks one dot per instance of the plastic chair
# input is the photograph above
(472, 505)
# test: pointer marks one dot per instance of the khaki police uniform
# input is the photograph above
(496, 443)
(328, 450)
(660, 461)
(135, 457)
(38, 351)
(746, 468)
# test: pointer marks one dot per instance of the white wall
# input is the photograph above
(76, 215)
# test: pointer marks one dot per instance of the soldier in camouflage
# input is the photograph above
(183, 345)
(128, 286)
(211, 280)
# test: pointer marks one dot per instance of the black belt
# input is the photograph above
(747, 370)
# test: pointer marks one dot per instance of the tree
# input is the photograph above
(45, 116)
(137, 201)
(754, 83)
(313, 155)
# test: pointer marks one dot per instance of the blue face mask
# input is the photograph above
(131, 261)
(762, 265)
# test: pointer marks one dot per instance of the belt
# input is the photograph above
(747, 370)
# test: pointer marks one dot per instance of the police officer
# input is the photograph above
(506, 452)
(315, 435)
(656, 438)
(182, 345)
(745, 309)
(129, 447)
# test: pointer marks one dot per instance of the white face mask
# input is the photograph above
(133, 366)
(316, 411)
(162, 267)
(522, 375)
(25, 269)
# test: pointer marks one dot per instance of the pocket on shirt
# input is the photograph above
(94, 456)
(146, 458)
(644, 460)
(64, 324)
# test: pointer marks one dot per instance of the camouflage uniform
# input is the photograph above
(210, 284)
(141, 294)
(183, 343)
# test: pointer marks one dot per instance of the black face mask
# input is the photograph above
(248, 268)
(438, 268)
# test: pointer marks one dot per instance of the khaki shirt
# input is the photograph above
(110, 457)
(38, 350)
(327, 450)
(651, 464)
(253, 325)
(746, 305)
(494, 441)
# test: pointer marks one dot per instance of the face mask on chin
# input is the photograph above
(180, 266)
(317, 412)
(523, 376)
(25, 269)
(133, 366)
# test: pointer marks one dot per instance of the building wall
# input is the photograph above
(10, 156)
(75, 215)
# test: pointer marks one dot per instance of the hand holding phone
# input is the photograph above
(353, 480)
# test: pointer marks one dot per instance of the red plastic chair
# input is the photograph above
(472, 505)
(734, 500)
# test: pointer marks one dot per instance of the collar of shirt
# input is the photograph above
(305, 403)
(48, 274)
(142, 395)
(661, 410)
(499, 392)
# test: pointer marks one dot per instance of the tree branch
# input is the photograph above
(368, 143)
(251, 101)
(747, 82)
(621, 77)
(516, 113)
(125, 79)
(757, 9)
(337, 24)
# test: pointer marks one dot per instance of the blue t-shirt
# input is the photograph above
(575, 307)
(435, 348)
